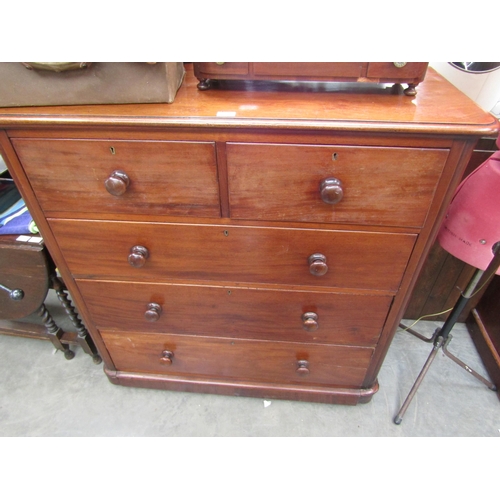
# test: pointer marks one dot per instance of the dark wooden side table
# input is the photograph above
(27, 272)
(483, 324)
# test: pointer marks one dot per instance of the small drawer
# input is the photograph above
(162, 252)
(309, 71)
(399, 71)
(333, 184)
(226, 311)
(24, 277)
(219, 69)
(128, 177)
(235, 359)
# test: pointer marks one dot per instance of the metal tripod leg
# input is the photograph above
(467, 368)
(418, 335)
(437, 345)
(442, 335)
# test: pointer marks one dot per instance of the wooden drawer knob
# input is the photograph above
(153, 312)
(302, 367)
(310, 321)
(117, 183)
(167, 357)
(331, 190)
(317, 264)
(138, 256)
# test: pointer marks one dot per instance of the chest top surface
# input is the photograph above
(437, 108)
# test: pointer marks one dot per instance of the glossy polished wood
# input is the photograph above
(411, 73)
(439, 108)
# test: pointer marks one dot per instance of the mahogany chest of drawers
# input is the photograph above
(254, 243)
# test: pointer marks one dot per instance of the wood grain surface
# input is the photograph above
(364, 260)
(231, 311)
(168, 178)
(382, 186)
(238, 359)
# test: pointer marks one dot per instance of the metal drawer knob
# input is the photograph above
(317, 264)
(310, 321)
(167, 357)
(138, 256)
(117, 183)
(14, 294)
(331, 190)
(153, 312)
(302, 367)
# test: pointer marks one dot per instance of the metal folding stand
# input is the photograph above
(442, 338)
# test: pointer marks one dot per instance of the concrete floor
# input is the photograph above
(43, 394)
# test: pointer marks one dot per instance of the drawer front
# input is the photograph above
(161, 178)
(221, 69)
(236, 254)
(361, 185)
(23, 267)
(309, 70)
(386, 70)
(295, 316)
(236, 359)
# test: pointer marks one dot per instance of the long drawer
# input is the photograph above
(236, 359)
(361, 185)
(225, 311)
(127, 177)
(164, 251)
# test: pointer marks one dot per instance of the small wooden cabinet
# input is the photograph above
(245, 242)
(410, 73)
